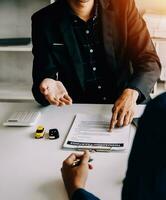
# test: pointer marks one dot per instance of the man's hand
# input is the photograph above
(75, 177)
(55, 92)
(124, 108)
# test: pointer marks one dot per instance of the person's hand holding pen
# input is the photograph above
(75, 171)
(124, 109)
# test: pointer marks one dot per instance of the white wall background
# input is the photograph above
(156, 5)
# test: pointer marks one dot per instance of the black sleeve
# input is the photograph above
(82, 194)
(145, 62)
(43, 66)
(146, 174)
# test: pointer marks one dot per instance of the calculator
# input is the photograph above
(23, 118)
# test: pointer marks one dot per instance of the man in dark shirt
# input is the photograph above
(93, 51)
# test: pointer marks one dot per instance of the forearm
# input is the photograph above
(145, 62)
(144, 78)
(43, 65)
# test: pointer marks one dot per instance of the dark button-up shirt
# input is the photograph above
(96, 71)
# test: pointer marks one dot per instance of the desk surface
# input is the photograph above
(30, 168)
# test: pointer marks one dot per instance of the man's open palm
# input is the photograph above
(55, 92)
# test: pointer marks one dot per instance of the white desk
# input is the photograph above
(30, 168)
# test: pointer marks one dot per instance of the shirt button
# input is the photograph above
(91, 50)
(94, 18)
(104, 98)
(94, 69)
(75, 21)
(99, 87)
(87, 31)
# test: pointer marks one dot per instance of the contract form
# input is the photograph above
(92, 132)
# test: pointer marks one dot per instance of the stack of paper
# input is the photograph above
(91, 132)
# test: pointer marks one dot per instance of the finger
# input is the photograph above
(131, 117)
(127, 119)
(52, 100)
(121, 116)
(114, 108)
(69, 160)
(61, 99)
(61, 103)
(85, 157)
(113, 119)
(72, 158)
(65, 101)
(67, 97)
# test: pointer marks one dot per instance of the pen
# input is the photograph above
(77, 162)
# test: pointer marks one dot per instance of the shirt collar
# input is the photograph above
(75, 17)
(96, 12)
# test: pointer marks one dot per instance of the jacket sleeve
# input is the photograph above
(43, 66)
(145, 62)
(82, 194)
(146, 174)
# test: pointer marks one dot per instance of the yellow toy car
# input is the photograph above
(39, 132)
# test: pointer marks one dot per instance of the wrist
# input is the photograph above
(72, 190)
(132, 92)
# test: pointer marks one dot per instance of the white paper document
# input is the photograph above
(91, 132)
